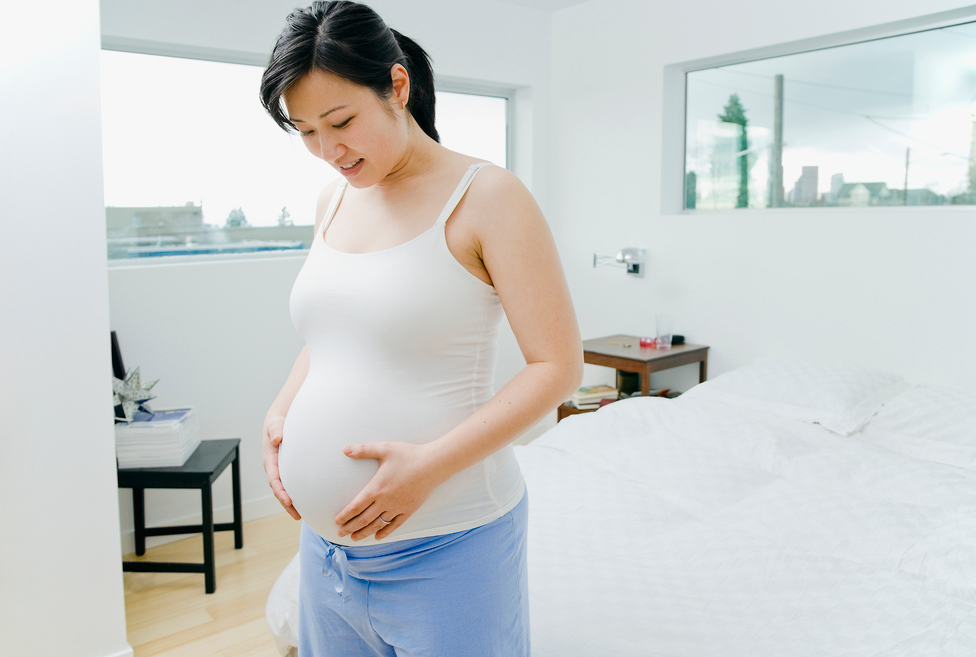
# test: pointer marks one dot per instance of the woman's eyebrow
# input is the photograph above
(325, 114)
(321, 116)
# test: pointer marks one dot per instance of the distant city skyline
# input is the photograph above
(853, 110)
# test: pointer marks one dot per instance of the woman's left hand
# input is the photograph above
(403, 482)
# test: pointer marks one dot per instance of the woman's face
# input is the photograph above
(345, 124)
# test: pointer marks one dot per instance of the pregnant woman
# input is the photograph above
(387, 438)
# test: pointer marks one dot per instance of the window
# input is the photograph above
(193, 165)
(886, 122)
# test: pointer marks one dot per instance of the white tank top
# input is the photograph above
(402, 346)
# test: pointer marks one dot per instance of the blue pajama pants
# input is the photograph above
(463, 594)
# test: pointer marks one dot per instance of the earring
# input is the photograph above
(403, 104)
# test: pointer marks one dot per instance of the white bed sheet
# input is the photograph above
(693, 527)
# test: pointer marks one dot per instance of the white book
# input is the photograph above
(585, 407)
(165, 438)
(593, 394)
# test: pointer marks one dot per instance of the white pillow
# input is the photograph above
(841, 399)
(934, 414)
(933, 423)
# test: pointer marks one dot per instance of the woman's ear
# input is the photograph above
(401, 85)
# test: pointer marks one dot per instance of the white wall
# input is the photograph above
(886, 288)
(218, 334)
(60, 571)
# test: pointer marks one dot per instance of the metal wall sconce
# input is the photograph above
(630, 258)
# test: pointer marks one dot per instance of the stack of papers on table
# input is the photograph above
(588, 397)
(164, 438)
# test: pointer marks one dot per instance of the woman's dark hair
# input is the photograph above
(350, 40)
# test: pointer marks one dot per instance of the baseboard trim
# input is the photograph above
(251, 510)
(123, 653)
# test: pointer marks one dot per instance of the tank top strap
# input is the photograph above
(333, 206)
(459, 192)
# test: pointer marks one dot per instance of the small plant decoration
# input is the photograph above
(130, 396)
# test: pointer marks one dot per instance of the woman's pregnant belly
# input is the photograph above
(315, 473)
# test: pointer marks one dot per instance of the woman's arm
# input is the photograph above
(274, 421)
(519, 253)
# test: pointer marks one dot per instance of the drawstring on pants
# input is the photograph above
(335, 563)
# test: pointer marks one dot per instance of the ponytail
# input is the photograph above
(351, 41)
(422, 99)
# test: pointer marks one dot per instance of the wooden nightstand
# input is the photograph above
(623, 352)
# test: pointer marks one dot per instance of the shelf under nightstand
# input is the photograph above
(623, 352)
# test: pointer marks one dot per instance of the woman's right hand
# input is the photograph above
(272, 439)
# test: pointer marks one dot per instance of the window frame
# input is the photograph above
(158, 48)
(675, 101)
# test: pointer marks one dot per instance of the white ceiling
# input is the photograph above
(546, 5)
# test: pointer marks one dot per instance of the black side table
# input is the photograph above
(200, 471)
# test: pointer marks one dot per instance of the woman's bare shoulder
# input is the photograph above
(498, 192)
(454, 162)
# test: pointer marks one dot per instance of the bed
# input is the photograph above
(781, 509)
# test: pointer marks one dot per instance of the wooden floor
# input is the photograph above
(168, 614)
